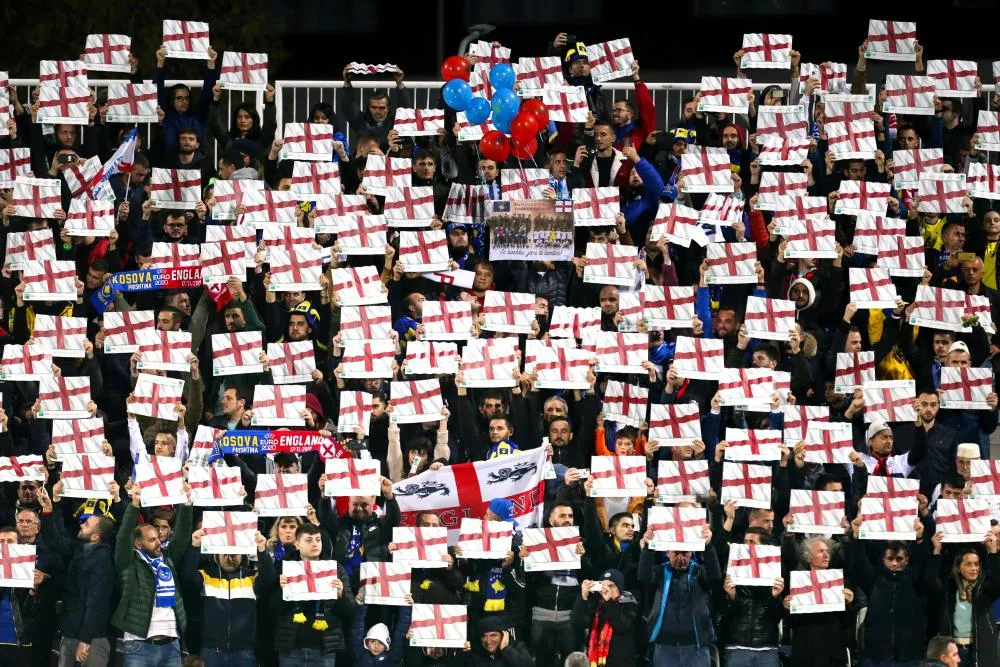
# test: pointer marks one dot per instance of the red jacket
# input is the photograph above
(645, 120)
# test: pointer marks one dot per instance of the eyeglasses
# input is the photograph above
(25, 522)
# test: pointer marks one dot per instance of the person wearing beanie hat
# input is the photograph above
(500, 509)
(494, 646)
(609, 612)
(880, 461)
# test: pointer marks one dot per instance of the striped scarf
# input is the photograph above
(166, 591)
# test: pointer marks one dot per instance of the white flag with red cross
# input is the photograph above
(366, 70)
(941, 193)
(368, 359)
(312, 179)
(420, 546)
(296, 267)
(610, 60)
(938, 308)
(984, 475)
(107, 53)
(754, 564)
(25, 363)
(160, 481)
(416, 401)
(121, 330)
(61, 336)
(418, 122)
(706, 169)
(62, 73)
(630, 305)
(988, 131)
(966, 388)
(292, 362)
(355, 412)
(816, 512)
(595, 207)
(164, 350)
(676, 528)
(725, 94)
(64, 397)
(281, 494)
(187, 40)
(748, 484)
(229, 195)
(423, 251)
(36, 197)
(954, 78)
(853, 370)
(442, 625)
(816, 591)
(508, 312)
(175, 188)
(222, 261)
(625, 403)
(479, 81)
(962, 519)
(832, 77)
(483, 539)
(352, 477)
(523, 183)
(266, 208)
(890, 400)
(22, 468)
(668, 307)
(721, 210)
(766, 51)
(675, 424)
(618, 476)
(88, 217)
(384, 583)
(784, 122)
(358, 286)
(87, 475)
(559, 367)
(682, 481)
(383, 172)
(797, 417)
(769, 319)
(856, 196)
(849, 127)
(789, 209)
(731, 263)
(409, 206)
(750, 388)
(81, 177)
(752, 445)
(278, 405)
(775, 184)
(366, 323)
(229, 533)
(610, 264)
(15, 163)
(679, 224)
(447, 320)
(288, 236)
(166, 255)
(534, 75)
(17, 565)
(902, 256)
(49, 280)
(909, 94)
(237, 353)
(430, 358)
(910, 165)
(983, 181)
(309, 580)
(203, 444)
(784, 151)
(811, 239)
(871, 288)
(892, 487)
(77, 436)
(64, 105)
(889, 518)
(618, 352)
(891, 40)
(243, 71)
(533, 347)
(978, 306)
(489, 53)
(569, 322)
(312, 142)
(27, 246)
(567, 104)
(132, 103)
(466, 203)
(215, 486)
(551, 548)
(488, 362)
(699, 358)
(870, 229)
(156, 396)
(828, 442)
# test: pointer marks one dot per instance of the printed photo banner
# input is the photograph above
(384, 583)
(682, 481)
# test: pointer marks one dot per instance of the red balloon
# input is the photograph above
(525, 150)
(536, 108)
(523, 128)
(495, 146)
(455, 67)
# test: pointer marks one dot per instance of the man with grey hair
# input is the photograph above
(577, 659)
(942, 651)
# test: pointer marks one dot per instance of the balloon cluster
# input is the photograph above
(517, 123)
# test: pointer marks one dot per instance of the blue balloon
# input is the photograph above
(502, 123)
(478, 110)
(456, 94)
(505, 104)
(502, 76)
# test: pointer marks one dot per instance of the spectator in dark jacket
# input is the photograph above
(377, 647)
(361, 535)
(380, 109)
(606, 613)
(18, 617)
(494, 646)
(176, 101)
(750, 617)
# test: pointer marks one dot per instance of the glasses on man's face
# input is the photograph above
(26, 522)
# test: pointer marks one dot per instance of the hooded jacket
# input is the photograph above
(699, 581)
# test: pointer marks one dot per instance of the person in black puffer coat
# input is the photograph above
(361, 535)
(607, 620)
(751, 614)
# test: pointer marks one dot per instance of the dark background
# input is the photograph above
(308, 39)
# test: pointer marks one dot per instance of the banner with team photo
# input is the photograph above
(530, 230)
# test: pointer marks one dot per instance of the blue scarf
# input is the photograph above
(354, 552)
(165, 588)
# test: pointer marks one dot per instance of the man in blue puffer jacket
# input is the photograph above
(646, 185)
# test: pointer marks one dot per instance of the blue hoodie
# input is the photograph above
(640, 211)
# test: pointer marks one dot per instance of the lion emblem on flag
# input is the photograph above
(514, 474)
(422, 490)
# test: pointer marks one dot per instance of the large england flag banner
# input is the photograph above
(464, 490)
